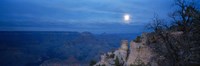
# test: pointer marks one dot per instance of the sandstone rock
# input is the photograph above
(139, 53)
(121, 54)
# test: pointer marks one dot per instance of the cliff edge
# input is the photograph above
(131, 53)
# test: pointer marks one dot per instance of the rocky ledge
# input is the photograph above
(131, 53)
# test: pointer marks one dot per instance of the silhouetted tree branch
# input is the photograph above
(178, 43)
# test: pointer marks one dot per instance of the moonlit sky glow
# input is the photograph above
(127, 18)
(95, 16)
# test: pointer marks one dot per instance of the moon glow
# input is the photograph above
(127, 18)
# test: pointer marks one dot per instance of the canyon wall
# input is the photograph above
(138, 54)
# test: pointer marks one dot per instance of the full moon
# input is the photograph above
(127, 18)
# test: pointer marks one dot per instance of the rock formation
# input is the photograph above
(111, 58)
(138, 54)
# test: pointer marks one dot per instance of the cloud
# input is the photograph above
(82, 14)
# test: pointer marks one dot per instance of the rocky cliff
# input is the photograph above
(140, 53)
(119, 56)
(129, 54)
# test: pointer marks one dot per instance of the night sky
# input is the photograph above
(95, 16)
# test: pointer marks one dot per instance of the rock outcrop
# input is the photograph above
(138, 54)
(117, 57)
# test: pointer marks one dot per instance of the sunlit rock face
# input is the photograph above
(109, 58)
(124, 45)
(121, 53)
(139, 52)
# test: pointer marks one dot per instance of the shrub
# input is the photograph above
(138, 39)
(92, 62)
